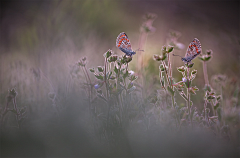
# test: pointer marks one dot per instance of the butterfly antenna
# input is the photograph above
(177, 55)
(139, 50)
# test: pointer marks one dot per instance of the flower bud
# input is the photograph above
(13, 93)
(181, 69)
(92, 70)
(164, 50)
(113, 58)
(100, 69)
(189, 65)
(170, 49)
(84, 58)
(209, 52)
(99, 91)
(194, 72)
(108, 53)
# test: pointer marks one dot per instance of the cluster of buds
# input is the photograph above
(219, 78)
(207, 88)
(147, 24)
(180, 85)
(189, 65)
(207, 56)
(12, 94)
(211, 96)
(164, 51)
(113, 58)
(193, 74)
(125, 59)
(193, 90)
(132, 77)
(163, 68)
(108, 53)
(181, 69)
(82, 62)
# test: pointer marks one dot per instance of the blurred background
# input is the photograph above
(41, 40)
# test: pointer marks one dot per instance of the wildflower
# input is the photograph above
(96, 86)
(184, 79)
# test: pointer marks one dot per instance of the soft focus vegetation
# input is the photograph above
(67, 91)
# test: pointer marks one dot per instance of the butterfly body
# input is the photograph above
(193, 50)
(123, 43)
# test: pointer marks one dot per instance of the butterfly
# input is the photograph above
(123, 43)
(193, 50)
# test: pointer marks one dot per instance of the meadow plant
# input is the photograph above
(113, 86)
(217, 117)
(20, 113)
(224, 107)
(88, 85)
(186, 113)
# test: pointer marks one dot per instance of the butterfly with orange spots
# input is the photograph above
(123, 43)
(193, 50)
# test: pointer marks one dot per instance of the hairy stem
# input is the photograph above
(188, 95)
(205, 73)
(169, 83)
(17, 112)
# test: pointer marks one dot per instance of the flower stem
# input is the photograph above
(17, 112)
(205, 73)
(169, 83)
(105, 77)
(188, 95)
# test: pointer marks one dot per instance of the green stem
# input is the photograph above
(105, 77)
(169, 83)
(205, 73)
(170, 69)
(176, 116)
(3, 114)
(188, 95)
(105, 80)
(16, 109)
(89, 91)
(222, 105)
(205, 106)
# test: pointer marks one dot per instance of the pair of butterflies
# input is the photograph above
(194, 48)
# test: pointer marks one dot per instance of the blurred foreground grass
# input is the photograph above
(71, 135)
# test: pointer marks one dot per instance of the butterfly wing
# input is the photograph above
(193, 50)
(123, 43)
